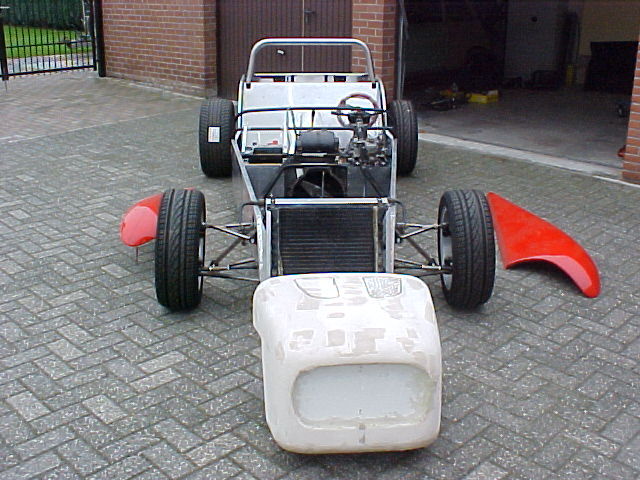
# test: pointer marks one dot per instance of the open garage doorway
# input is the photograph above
(546, 76)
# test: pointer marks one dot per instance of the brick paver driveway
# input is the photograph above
(98, 381)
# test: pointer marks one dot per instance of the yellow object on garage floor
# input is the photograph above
(489, 97)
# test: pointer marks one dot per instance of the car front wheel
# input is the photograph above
(466, 248)
(179, 249)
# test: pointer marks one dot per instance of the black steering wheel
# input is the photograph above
(343, 106)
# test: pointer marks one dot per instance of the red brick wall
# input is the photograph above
(171, 44)
(631, 164)
(374, 22)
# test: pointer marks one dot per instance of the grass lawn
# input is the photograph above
(23, 41)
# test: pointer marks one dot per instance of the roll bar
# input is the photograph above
(285, 42)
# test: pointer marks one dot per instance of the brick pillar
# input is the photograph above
(162, 42)
(210, 47)
(631, 164)
(374, 22)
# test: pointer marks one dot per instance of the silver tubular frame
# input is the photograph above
(285, 42)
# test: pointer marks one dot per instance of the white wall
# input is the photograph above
(533, 36)
(609, 21)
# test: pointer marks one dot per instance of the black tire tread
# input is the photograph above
(402, 117)
(215, 158)
(177, 264)
(473, 246)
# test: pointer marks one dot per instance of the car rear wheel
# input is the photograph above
(179, 250)
(466, 245)
(402, 117)
(217, 125)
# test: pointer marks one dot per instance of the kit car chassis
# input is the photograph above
(351, 356)
(315, 158)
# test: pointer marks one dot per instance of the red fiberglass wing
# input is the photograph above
(524, 237)
(138, 226)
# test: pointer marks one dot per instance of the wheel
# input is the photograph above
(466, 244)
(217, 125)
(179, 251)
(402, 117)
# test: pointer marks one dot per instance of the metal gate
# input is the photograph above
(241, 23)
(38, 36)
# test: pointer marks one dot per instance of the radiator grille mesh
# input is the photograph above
(327, 239)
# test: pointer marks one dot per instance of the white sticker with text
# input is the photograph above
(214, 135)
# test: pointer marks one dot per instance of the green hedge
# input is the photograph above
(58, 14)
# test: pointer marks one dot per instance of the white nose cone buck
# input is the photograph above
(351, 361)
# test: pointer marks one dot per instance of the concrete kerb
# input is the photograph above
(600, 172)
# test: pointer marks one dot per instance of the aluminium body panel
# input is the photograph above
(302, 91)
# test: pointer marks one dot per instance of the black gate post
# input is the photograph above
(4, 68)
(99, 38)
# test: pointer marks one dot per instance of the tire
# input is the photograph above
(216, 155)
(402, 117)
(179, 250)
(467, 245)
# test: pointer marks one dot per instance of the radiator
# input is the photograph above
(315, 239)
